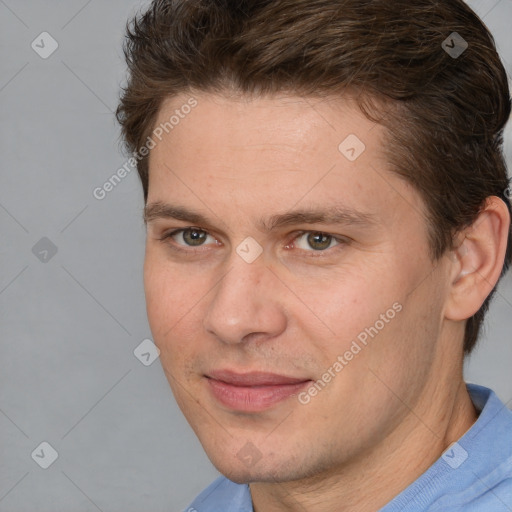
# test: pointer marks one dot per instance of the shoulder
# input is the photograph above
(491, 496)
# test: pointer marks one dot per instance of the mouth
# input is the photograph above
(252, 391)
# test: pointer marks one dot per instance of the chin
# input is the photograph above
(262, 471)
(250, 475)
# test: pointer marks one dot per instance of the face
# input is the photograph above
(286, 338)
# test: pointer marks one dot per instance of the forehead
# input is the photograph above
(282, 122)
(270, 153)
(239, 136)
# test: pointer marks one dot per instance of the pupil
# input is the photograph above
(195, 235)
(316, 238)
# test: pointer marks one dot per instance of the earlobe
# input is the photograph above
(477, 260)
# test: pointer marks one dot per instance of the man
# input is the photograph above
(327, 219)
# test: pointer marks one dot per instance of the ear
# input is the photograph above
(477, 260)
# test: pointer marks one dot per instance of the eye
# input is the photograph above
(316, 243)
(315, 240)
(192, 237)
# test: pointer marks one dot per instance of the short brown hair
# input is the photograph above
(444, 113)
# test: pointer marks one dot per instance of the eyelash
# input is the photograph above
(315, 254)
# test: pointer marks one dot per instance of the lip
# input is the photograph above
(252, 391)
(249, 379)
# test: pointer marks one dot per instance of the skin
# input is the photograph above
(401, 401)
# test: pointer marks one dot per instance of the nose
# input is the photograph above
(244, 304)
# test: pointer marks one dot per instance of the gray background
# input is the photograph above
(70, 323)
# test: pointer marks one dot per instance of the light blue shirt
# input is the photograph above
(472, 475)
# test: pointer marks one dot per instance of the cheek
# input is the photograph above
(342, 305)
(175, 302)
(170, 303)
(166, 286)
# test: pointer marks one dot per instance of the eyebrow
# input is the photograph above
(334, 215)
